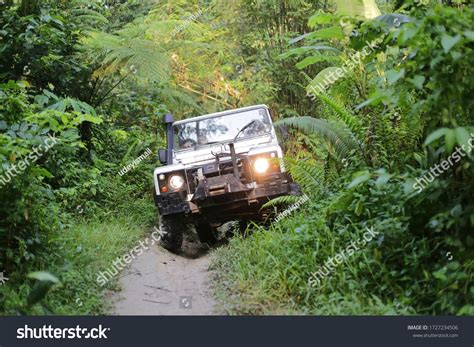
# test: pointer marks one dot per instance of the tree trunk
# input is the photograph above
(28, 7)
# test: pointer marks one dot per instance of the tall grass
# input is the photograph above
(78, 253)
(268, 272)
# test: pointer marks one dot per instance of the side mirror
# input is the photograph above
(162, 156)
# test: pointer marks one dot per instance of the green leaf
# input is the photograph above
(300, 50)
(64, 119)
(435, 135)
(448, 41)
(462, 136)
(320, 18)
(466, 310)
(408, 186)
(418, 81)
(41, 171)
(335, 133)
(453, 265)
(74, 104)
(334, 32)
(358, 8)
(469, 34)
(407, 34)
(323, 79)
(374, 99)
(43, 276)
(359, 208)
(382, 179)
(394, 75)
(393, 19)
(363, 177)
(92, 119)
(313, 60)
(450, 140)
(440, 274)
(298, 38)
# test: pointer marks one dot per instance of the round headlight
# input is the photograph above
(261, 165)
(176, 182)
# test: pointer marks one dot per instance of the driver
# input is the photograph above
(258, 128)
(187, 143)
(202, 140)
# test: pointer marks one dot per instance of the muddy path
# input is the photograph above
(162, 283)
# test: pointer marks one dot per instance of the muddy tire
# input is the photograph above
(172, 228)
(243, 225)
(206, 233)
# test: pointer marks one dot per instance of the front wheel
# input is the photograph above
(172, 228)
(206, 233)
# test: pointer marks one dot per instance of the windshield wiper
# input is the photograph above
(244, 127)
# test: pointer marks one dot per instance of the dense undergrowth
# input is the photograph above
(67, 215)
(405, 269)
(382, 129)
(65, 211)
(80, 252)
(99, 78)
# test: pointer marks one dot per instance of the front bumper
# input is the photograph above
(234, 201)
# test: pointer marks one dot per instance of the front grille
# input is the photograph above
(218, 169)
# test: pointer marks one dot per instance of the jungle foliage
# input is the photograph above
(98, 76)
(399, 110)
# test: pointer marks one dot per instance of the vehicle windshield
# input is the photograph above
(221, 129)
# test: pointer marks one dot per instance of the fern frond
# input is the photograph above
(344, 115)
(85, 14)
(174, 97)
(143, 58)
(339, 110)
(282, 200)
(306, 173)
(337, 134)
(169, 29)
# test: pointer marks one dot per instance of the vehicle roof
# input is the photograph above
(222, 113)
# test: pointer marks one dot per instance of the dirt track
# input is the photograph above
(161, 283)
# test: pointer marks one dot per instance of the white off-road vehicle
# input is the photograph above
(218, 168)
